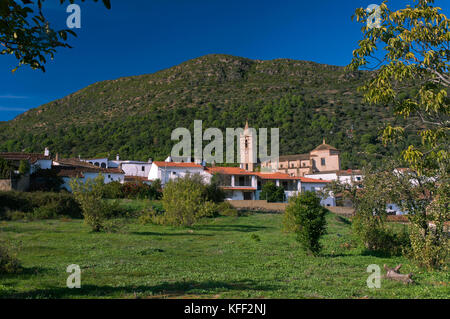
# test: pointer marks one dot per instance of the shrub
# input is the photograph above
(183, 200)
(46, 212)
(427, 249)
(272, 193)
(113, 190)
(90, 197)
(152, 215)
(24, 167)
(8, 263)
(141, 190)
(371, 232)
(306, 218)
(370, 199)
(213, 192)
(226, 209)
(62, 204)
(208, 209)
(430, 244)
(16, 215)
(6, 169)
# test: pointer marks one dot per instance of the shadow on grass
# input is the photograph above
(331, 255)
(380, 254)
(26, 272)
(239, 228)
(343, 220)
(148, 233)
(164, 289)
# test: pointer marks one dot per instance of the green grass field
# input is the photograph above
(226, 257)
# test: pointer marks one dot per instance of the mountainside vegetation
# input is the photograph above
(134, 116)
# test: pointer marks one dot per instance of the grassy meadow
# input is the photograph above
(226, 257)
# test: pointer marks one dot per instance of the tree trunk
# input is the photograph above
(394, 274)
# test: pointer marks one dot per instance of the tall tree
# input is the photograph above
(410, 49)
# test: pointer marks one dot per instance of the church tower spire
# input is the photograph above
(248, 148)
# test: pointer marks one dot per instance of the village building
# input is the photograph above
(324, 158)
(71, 168)
(35, 161)
(168, 170)
(344, 176)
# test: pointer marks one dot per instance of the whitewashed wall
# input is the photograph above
(166, 174)
(135, 169)
(108, 178)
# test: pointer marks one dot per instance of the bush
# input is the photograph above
(152, 215)
(306, 217)
(61, 204)
(226, 209)
(90, 197)
(6, 169)
(24, 167)
(113, 190)
(430, 244)
(8, 263)
(140, 190)
(213, 192)
(272, 193)
(208, 209)
(427, 249)
(46, 212)
(372, 233)
(183, 200)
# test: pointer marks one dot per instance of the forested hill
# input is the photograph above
(134, 116)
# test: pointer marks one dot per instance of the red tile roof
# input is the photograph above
(31, 157)
(349, 172)
(312, 180)
(176, 164)
(275, 176)
(229, 171)
(324, 146)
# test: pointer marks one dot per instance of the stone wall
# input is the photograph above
(258, 205)
(21, 184)
(5, 185)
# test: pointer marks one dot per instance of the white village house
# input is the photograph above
(75, 168)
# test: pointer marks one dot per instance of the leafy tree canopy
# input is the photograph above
(26, 33)
(411, 49)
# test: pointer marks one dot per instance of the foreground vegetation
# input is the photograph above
(225, 257)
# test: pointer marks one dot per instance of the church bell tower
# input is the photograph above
(247, 149)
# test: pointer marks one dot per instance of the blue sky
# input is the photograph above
(144, 36)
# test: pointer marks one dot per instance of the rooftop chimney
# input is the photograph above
(46, 152)
(150, 160)
(117, 157)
